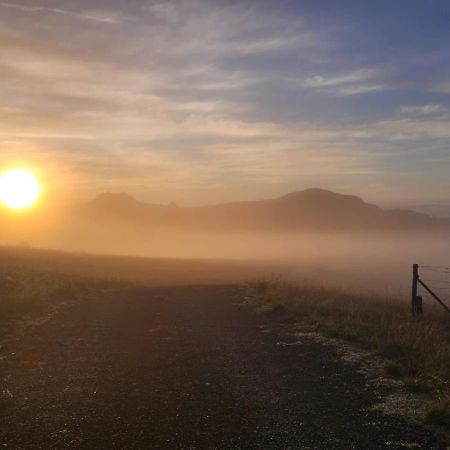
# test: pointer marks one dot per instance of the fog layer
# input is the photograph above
(314, 235)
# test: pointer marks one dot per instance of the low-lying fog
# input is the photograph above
(369, 262)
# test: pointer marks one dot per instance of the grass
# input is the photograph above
(394, 369)
(32, 281)
(416, 351)
(415, 385)
(438, 413)
(30, 290)
(154, 271)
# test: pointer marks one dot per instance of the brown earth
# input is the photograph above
(185, 368)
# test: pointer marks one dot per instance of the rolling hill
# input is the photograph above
(308, 210)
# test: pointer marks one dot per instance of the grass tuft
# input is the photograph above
(439, 413)
(26, 292)
(416, 385)
(394, 369)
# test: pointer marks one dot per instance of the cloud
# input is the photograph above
(88, 15)
(360, 89)
(193, 93)
(429, 109)
(360, 81)
(356, 76)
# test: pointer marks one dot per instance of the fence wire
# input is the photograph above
(437, 279)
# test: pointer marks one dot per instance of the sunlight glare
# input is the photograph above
(19, 189)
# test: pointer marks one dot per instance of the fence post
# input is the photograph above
(416, 301)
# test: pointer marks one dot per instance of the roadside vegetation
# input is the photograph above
(26, 293)
(417, 351)
(33, 282)
(31, 288)
(134, 269)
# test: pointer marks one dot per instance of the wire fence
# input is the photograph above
(441, 277)
(435, 283)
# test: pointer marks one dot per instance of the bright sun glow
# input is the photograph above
(19, 189)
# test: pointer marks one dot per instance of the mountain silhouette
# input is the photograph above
(311, 209)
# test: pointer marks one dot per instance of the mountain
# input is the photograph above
(308, 210)
(442, 211)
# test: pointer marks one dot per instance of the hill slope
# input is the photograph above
(311, 209)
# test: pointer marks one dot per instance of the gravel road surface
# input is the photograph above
(185, 368)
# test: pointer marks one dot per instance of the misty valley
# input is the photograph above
(313, 235)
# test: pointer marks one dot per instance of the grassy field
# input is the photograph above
(35, 282)
(26, 293)
(29, 292)
(154, 271)
(416, 351)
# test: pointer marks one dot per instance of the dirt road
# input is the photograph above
(185, 368)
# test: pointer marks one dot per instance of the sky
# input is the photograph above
(197, 101)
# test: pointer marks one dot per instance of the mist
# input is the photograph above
(314, 236)
(363, 261)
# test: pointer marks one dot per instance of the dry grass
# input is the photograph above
(30, 287)
(32, 280)
(26, 293)
(439, 413)
(154, 271)
(416, 350)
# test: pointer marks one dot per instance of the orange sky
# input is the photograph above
(201, 101)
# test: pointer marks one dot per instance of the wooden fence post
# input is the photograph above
(416, 301)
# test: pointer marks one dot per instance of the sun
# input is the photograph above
(19, 189)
